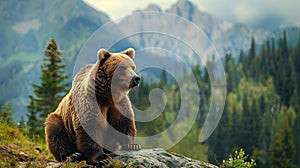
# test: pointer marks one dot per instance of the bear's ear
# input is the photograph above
(103, 55)
(130, 52)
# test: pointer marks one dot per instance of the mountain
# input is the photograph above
(26, 27)
(225, 36)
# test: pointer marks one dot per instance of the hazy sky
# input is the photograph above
(252, 12)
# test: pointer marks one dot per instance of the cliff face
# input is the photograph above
(158, 158)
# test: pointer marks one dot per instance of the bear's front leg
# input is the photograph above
(92, 150)
(127, 128)
(128, 141)
(126, 125)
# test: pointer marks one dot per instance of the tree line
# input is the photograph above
(262, 107)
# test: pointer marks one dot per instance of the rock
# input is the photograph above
(158, 158)
(145, 158)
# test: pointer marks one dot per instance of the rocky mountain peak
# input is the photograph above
(152, 7)
(184, 8)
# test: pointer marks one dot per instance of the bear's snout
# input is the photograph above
(134, 81)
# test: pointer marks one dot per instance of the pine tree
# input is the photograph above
(241, 56)
(252, 50)
(5, 114)
(229, 69)
(53, 86)
(256, 120)
(265, 133)
(263, 67)
(163, 79)
(33, 123)
(272, 59)
(295, 100)
(250, 123)
(284, 70)
(225, 135)
(22, 122)
(246, 119)
(285, 46)
(283, 148)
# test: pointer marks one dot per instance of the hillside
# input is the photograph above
(24, 34)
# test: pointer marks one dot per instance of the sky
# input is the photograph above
(266, 13)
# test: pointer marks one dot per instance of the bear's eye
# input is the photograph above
(122, 68)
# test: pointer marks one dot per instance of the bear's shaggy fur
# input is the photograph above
(85, 123)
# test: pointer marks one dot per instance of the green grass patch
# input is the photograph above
(16, 148)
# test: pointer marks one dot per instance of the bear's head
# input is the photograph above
(116, 72)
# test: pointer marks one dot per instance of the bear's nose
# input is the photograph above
(136, 80)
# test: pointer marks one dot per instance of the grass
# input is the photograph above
(17, 150)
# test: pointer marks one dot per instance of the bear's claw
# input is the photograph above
(133, 147)
(104, 162)
(75, 157)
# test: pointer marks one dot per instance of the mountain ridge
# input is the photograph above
(26, 30)
(226, 36)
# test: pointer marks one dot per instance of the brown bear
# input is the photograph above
(96, 116)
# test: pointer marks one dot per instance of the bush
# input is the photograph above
(238, 160)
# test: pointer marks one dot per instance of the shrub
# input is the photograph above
(238, 160)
